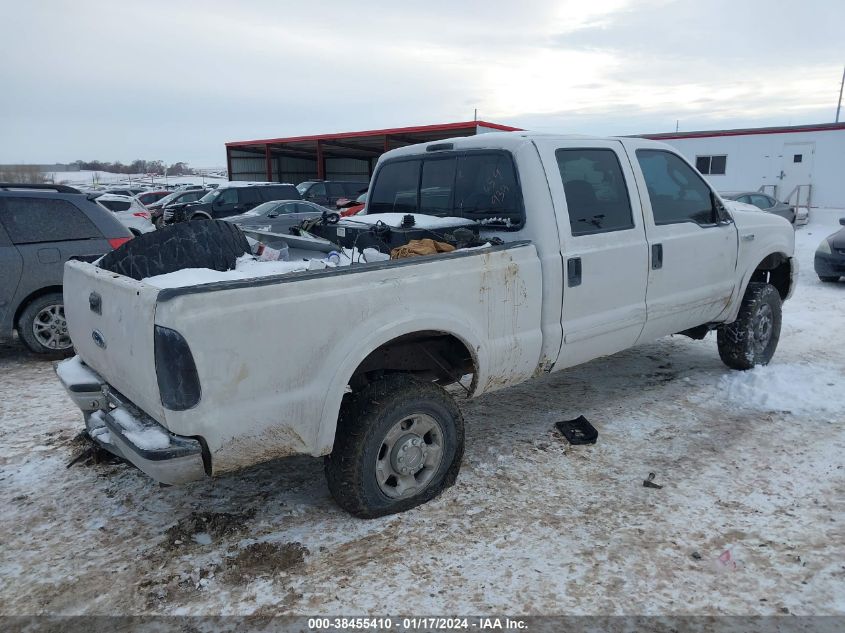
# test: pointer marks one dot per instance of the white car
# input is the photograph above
(129, 210)
(589, 246)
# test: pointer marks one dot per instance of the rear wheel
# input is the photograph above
(399, 443)
(42, 326)
(753, 338)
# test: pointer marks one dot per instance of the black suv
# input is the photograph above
(327, 192)
(42, 227)
(231, 200)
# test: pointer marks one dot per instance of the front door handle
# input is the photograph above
(656, 256)
(573, 272)
(748, 237)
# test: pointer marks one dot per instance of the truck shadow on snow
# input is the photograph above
(602, 390)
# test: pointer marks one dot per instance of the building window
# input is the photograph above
(712, 165)
(797, 158)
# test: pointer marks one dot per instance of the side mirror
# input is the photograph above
(842, 221)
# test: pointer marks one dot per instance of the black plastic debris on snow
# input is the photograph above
(578, 431)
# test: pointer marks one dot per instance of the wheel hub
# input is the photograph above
(409, 454)
(50, 327)
(763, 327)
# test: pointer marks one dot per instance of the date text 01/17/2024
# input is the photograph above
(416, 624)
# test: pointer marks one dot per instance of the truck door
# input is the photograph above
(603, 246)
(692, 251)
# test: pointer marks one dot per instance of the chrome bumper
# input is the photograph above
(119, 427)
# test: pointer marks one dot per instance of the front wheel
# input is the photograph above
(399, 443)
(753, 338)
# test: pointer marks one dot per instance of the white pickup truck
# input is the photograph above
(607, 243)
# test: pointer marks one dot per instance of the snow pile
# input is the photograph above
(73, 372)
(248, 267)
(148, 438)
(794, 387)
(395, 220)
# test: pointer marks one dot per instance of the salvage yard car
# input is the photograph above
(42, 227)
(593, 245)
(233, 199)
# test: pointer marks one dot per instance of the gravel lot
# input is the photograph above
(749, 519)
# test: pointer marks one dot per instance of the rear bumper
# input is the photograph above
(120, 428)
(829, 265)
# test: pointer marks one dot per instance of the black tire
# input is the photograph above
(828, 280)
(753, 338)
(42, 327)
(214, 244)
(366, 421)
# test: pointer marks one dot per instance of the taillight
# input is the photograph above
(141, 214)
(117, 242)
(178, 381)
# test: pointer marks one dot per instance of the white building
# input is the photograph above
(802, 165)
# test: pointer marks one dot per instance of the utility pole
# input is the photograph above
(839, 103)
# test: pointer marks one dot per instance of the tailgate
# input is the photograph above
(110, 319)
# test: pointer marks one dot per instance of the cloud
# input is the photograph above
(176, 80)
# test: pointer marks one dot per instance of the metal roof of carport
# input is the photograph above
(365, 145)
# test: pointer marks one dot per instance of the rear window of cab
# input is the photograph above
(476, 185)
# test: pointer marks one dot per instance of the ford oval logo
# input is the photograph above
(99, 339)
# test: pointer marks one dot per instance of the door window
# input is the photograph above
(596, 192)
(335, 190)
(317, 191)
(228, 196)
(249, 195)
(33, 220)
(677, 193)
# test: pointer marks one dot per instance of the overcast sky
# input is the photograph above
(175, 80)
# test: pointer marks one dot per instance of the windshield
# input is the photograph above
(211, 195)
(263, 208)
(303, 187)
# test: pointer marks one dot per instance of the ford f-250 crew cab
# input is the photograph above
(608, 243)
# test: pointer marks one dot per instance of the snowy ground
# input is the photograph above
(89, 178)
(749, 519)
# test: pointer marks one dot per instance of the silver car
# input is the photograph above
(277, 216)
(762, 201)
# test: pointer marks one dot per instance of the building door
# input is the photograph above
(796, 169)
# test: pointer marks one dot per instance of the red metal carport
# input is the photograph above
(342, 156)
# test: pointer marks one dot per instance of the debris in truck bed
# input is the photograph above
(416, 248)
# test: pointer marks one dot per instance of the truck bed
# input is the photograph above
(274, 354)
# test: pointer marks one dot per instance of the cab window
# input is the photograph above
(595, 189)
(676, 191)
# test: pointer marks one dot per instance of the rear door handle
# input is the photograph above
(656, 256)
(573, 272)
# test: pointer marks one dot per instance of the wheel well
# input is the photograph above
(775, 269)
(200, 214)
(32, 297)
(135, 232)
(430, 355)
